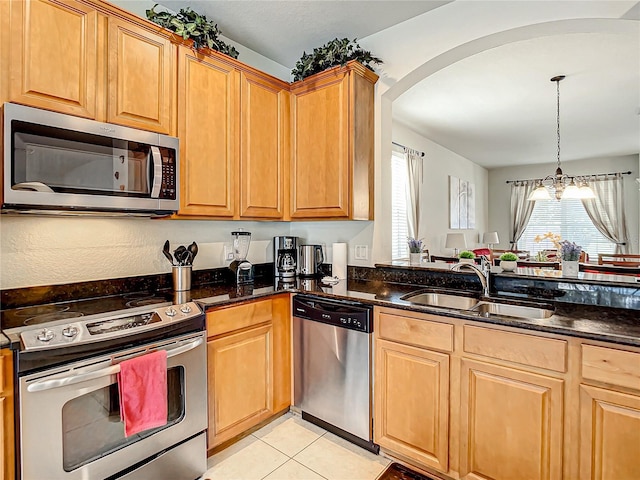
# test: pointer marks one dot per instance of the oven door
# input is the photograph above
(70, 420)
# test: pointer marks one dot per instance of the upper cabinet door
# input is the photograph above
(140, 78)
(320, 175)
(53, 56)
(207, 126)
(264, 147)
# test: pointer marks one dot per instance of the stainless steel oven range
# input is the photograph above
(68, 408)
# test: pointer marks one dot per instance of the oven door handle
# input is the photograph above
(112, 370)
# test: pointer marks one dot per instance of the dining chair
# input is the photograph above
(619, 259)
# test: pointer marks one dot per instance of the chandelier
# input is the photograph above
(562, 184)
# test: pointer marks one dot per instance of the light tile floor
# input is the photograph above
(291, 448)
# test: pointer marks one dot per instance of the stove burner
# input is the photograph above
(50, 317)
(40, 310)
(144, 301)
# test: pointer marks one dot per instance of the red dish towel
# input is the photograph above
(142, 382)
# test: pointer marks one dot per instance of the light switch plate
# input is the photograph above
(362, 252)
(228, 253)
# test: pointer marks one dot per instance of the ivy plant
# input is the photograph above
(333, 53)
(191, 25)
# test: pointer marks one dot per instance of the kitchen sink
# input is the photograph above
(441, 300)
(503, 309)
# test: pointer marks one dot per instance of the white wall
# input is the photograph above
(439, 164)
(248, 56)
(499, 191)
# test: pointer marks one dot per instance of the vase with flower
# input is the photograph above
(415, 250)
(570, 255)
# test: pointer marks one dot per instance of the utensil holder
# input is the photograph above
(181, 277)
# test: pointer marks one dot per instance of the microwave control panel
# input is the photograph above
(168, 189)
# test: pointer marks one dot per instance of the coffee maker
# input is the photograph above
(285, 257)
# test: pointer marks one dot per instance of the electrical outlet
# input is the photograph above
(362, 252)
(228, 253)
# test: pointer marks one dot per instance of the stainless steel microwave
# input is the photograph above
(57, 162)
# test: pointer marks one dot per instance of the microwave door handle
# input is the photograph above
(156, 160)
(103, 372)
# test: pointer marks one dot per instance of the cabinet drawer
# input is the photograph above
(515, 347)
(235, 317)
(417, 330)
(615, 367)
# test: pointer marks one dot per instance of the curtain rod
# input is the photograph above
(574, 176)
(402, 146)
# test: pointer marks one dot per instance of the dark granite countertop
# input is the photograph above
(606, 324)
(380, 286)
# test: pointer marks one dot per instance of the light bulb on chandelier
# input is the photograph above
(563, 185)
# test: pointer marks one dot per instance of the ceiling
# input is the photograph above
(496, 108)
(283, 30)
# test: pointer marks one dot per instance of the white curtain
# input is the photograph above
(521, 210)
(606, 211)
(414, 176)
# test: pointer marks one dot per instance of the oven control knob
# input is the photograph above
(171, 312)
(185, 308)
(70, 331)
(45, 335)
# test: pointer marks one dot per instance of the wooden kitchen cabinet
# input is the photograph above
(411, 387)
(249, 366)
(610, 434)
(7, 460)
(332, 159)
(208, 127)
(609, 413)
(54, 68)
(141, 78)
(264, 148)
(233, 128)
(511, 423)
(92, 64)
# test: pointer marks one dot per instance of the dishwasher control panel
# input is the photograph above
(339, 314)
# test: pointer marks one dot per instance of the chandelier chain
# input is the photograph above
(558, 117)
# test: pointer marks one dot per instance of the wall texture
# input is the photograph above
(499, 191)
(439, 164)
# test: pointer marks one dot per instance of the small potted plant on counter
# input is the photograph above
(415, 250)
(570, 256)
(466, 256)
(508, 261)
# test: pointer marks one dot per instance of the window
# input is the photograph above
(399, 186)
(569, 219)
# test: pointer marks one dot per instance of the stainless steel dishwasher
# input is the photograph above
(332, 352)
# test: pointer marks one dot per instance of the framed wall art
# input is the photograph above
(462, 204)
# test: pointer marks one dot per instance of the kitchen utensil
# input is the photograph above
(177, 254)
(166, 253)
(193, 249)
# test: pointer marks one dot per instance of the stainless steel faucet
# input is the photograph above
(482, 273)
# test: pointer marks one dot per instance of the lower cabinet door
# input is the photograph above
(240, 382)
(511, 423)
(609, 434)
(412, 403)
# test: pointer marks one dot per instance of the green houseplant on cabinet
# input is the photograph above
(191, 25)
(336, 52)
